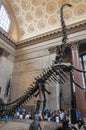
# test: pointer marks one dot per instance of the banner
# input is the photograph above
(0, 89)
(7, 88)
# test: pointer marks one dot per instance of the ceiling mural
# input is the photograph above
(36, 17)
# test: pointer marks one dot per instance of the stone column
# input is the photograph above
(57, 97)
(80, 95)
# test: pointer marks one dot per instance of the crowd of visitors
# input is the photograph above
(59, 116)
(62, 117)
(19, 114)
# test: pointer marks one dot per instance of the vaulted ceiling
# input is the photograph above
(38, 17)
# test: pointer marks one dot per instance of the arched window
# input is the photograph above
(83, 66)
(5, 20)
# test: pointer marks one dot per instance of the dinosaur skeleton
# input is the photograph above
(55, 73)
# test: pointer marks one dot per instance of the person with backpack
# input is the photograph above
(35, 125)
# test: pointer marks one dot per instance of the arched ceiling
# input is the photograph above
(36, 17)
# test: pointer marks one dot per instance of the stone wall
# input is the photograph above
(6, 68)
(29, 63)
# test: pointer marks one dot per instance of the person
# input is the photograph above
(57, 118)
(28, 115)
(17, 114)
(35, 125)
(41, 122)
(65, 124)
(61, 115)
(6, 118)
(79, 114)
(75, 127)
(21, 116)
(80, 124)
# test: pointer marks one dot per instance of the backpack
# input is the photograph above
(34, 126)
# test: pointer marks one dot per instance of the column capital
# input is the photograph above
(52, 49)
(1, 51)
(74, 45)
(4, 52)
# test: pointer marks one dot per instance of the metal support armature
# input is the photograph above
(41, 94)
